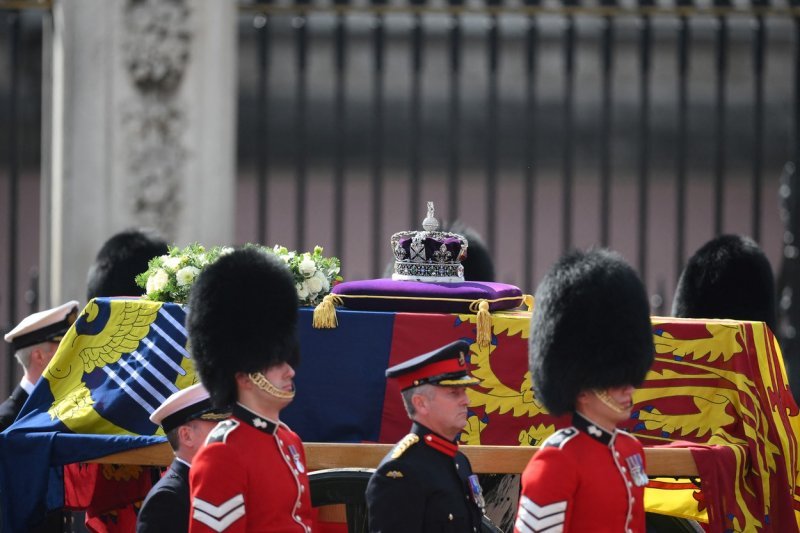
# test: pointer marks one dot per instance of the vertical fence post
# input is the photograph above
(262, 24)
(758, 122)
(14, 50)
(721, 107)
(378, 38)
(301, 171)
(569, 150)
(340, 128)
(454, 126)
(417, 43)
(493, 51)
(683, 99)
(607, 65)
(645, 66)
(529, 201)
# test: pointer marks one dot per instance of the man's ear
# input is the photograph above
(185, 434)
(243, 380)
(582, 397)
(38, 356)
(420, 403)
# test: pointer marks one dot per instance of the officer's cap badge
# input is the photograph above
(394, 474)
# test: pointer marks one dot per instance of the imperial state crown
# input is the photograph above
(429, 255)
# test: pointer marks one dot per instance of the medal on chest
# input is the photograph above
(636, 468)
(477, 491)
(298, 463)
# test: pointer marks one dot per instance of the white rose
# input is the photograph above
(314, 285)
(307, 266)
(225, 250)
(324, 281)
(202, 259)
(186, 275)
(302, 292)
(157, 281)
(172, 263)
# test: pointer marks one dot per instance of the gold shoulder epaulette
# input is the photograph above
(405, 443)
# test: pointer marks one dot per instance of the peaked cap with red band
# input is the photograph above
(445, 366)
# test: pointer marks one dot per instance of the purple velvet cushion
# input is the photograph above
(421, 297)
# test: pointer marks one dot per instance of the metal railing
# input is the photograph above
(646, 128)
(279, 144)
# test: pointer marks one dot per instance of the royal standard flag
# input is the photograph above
(120, 360)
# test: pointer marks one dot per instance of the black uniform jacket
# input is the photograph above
(10, 408)
(422, 485)
(166, 507)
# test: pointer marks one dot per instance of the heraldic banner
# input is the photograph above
(117, 363)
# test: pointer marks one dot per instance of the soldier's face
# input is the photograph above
(281, 375)
(445, 410)
(607, 407)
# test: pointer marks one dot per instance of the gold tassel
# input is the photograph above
(483, 335)
(325, 312)
(527, 299)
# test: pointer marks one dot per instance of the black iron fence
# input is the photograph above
(647, 127)
(493, 110)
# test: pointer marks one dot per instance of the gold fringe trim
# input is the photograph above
(325, 312)
(483, 334)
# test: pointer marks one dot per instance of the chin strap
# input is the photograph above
(609, 402)
(263, 383)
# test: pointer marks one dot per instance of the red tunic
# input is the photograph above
(584, 479)
(250, 476)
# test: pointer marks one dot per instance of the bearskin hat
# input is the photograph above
(242, 318)
(121, 258)
(590, 329)
(728, 277)
(478, 265)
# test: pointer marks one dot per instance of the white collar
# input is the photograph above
(26, 385)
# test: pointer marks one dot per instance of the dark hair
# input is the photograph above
(120, 259)
(728, 277)
(173, 438)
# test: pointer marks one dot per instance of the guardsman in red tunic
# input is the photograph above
(251, 475)
(425, 484)
(591, 343)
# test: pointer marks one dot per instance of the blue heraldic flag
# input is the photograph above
(123, 357)
(120, 360)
